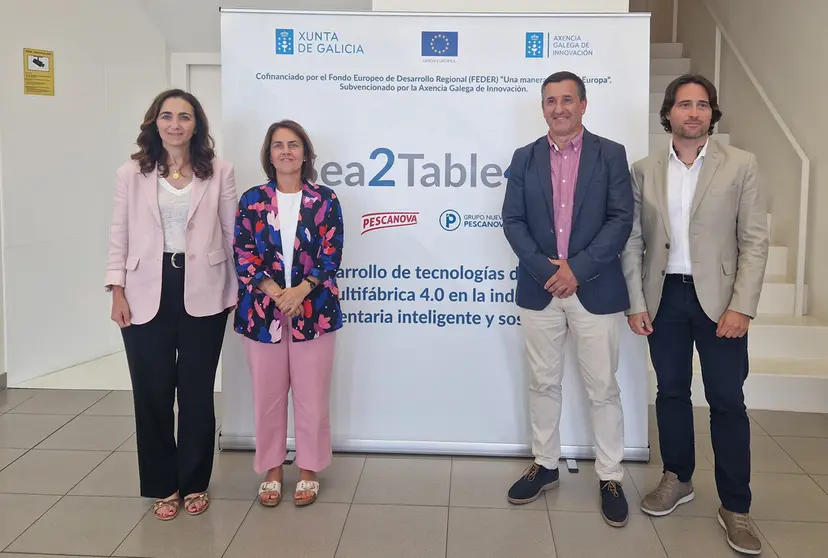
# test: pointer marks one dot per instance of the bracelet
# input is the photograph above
(311, 283)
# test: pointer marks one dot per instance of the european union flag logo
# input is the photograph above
(534, 45)
(284, 41)
(439, 43)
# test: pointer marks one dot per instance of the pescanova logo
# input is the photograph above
(389, 219)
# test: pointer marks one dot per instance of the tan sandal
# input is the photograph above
(172, 503)
(196, 499)
(266, 490)
(306, 486)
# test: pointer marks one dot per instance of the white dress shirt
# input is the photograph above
(681, 187)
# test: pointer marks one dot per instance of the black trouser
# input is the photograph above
(679, 322)
(174, 350)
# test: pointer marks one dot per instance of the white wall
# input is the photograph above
(194, 25)
(3, 375)
(58, 166)
(522, 6)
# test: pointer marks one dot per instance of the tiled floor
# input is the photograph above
(68, 486)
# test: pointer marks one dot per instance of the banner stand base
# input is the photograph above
(248, 443)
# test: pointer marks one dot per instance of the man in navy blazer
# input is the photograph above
(567, 213)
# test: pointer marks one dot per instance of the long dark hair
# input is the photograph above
(151, 152)
(670, 99)
(308, 171)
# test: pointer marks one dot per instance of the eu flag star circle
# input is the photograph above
(445, 43)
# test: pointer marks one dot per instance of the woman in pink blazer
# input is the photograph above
(172, 279)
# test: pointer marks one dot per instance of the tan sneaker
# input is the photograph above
(669, 494)
(740, 534)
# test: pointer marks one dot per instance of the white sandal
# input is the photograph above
(268, 488)
(306, 486)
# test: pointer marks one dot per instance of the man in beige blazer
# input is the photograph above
(694, 266)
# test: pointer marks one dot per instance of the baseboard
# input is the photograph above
(776, 392)
(3, 380)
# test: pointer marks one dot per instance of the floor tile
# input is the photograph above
(787, 498)
(129, 445)
(703, 448)
(310, 532)
(26, 431)
(117, 475)
(484, 483)
(204, 536)
(338, 483)
(49, 472)
(822, 481)
(705, 504)
(91, 433)
(82, 525)
(11, 398)
(410, 481)
(14, 555)
(580, 492)
(692, 537)
(586, 535)
(233, 476)
(399, 531)
(809, 453)
(7, 456)
(796, 540)
(765, 457)
(19, 511)
(701, 423)
(482, 533)
(116, 404)
(783, 423)
(60, 402)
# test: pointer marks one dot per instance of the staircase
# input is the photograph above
(788, 355)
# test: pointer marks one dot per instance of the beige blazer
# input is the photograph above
(728, 233)
(136, 243)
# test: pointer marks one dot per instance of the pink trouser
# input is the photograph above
(306, 367)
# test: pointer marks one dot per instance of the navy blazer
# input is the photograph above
(601, 224)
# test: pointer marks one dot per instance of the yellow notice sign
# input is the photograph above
(38, 72)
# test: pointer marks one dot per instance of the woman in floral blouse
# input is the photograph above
(288, 247)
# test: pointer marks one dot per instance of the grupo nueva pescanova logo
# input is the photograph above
(389, 219)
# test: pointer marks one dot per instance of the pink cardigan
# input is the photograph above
(136, 243)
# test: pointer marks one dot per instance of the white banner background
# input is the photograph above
(420, 387)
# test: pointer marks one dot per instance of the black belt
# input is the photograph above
(683, 278)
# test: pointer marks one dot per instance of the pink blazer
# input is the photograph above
(136, 243)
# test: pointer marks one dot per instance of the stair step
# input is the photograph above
(662, 140)
(776, 298)
(655, 123)
(659, 83)
(812, 367)
(786, 384)
(669, 66)
(656, 100)
(777, 261)
(666, 50)
(788, 337)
